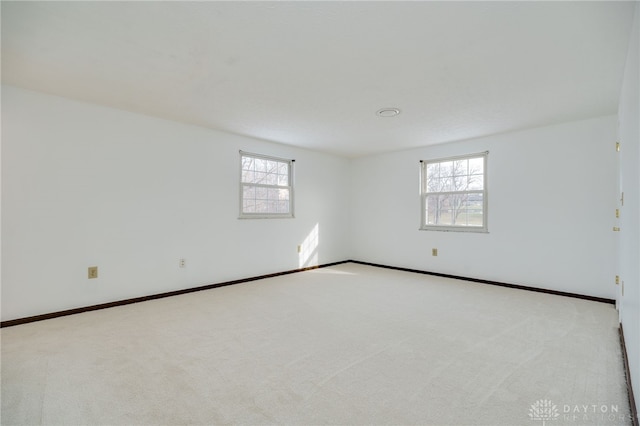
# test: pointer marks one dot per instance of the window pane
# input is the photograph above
(432, 209)
(274, 193)
(454, 209)
(272, 166)
(457, 202)
(259, 199)
(438, 210)
(258, 177)
(447, 217)
(248, 192)
(271, 179)
(262, 193)
(433, 173)
(475, 201)
(249, 206)
(247, 163)
(446, 184)
(460, 218)
(475, 218)
(283, 206)
(433, 184)
(460, 209)
(261, 206)
(446, 201)
(460, 183)
(266, 186)
(283, 174)
(450, 197)
(248, 176)
(476, 166)
(446, 169)
(283, 194)
(460, 167)
(261, 165)
(473, 206)
(476, 182)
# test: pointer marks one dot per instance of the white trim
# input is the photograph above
(485, 196)
(457, 157)
(241, 185)
(264, 157)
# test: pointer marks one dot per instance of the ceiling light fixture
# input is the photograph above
(388, 112)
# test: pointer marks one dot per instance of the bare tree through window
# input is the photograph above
(453, 192)
(266, 188)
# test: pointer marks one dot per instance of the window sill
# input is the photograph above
(275, 216)
(454, 229)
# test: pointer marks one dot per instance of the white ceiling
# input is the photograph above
(313, 74)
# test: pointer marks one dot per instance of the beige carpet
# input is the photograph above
(350, 344)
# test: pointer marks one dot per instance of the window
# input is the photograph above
(266, 186)
(454, 193)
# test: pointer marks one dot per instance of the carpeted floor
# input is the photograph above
(349, 344)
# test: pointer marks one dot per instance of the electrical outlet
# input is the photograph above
(434, 252)
(93, 272)
(299, 249)
(182, 263)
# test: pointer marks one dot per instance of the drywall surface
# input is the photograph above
(84, 185)
(629, 133)
(551, 195)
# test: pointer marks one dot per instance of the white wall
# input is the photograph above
(629, 133)
(85, 185)
(551, 197)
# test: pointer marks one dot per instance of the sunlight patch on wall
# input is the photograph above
(308, 255)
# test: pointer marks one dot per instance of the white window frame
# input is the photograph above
(424, 193)
(242, 185)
